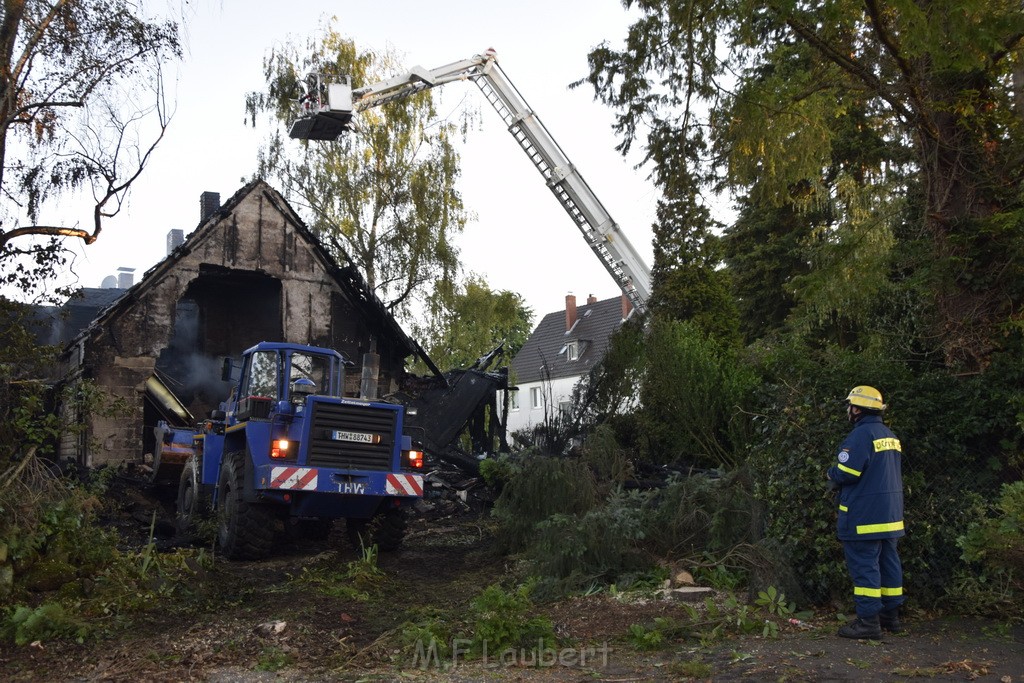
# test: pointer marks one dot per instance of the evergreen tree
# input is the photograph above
(688, 283)
(764, 251)
(770, 84)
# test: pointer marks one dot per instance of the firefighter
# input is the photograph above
(867, 475)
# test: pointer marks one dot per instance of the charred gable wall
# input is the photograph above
(250, 272)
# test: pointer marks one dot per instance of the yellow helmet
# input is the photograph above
(866, 397)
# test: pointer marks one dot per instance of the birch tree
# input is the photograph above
(383, 197)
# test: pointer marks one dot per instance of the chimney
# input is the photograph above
(125, 277)
(570, 311)
(591, 300)
(627, 306)
(174, 239)
(209, 204)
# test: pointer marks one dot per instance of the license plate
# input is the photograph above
(356, 437)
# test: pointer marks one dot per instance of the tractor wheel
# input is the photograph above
(386, 530)
(244, 530)
(192, 501)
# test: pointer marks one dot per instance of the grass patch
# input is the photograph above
(694, 668)
(273, 658)
(357, 580)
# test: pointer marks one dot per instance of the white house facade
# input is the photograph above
(563, 349)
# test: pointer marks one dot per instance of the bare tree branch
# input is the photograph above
(105, 160)
(42, 105)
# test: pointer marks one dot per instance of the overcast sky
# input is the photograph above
(521, 239)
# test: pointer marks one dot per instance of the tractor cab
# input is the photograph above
(280, 376)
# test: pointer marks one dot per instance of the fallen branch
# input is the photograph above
(18, 470)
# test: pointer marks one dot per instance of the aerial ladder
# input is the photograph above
(327, 113)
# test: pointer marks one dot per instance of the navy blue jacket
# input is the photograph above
(868, 472)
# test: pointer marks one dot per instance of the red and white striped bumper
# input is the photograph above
(405, 484)
(293, 478)
(328, 480)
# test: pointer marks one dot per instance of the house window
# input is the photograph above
(572, 350)
(564, 409)
(535, 397)
(513, 400)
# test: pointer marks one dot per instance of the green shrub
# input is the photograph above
(496, 620)
(645, 638)
(999, 541)
(606, 458)
(498, 471)
(959, 438)
(770, 520)
(543, 486)
(602, 545)
(692, 393)
(501, 619)
(993, 547)
(48, 621)
(430, 631)
(578, 537)
(715, 574)
(799, 423)
(716, 620)
(54, 546)
(702, 514)
(47, 522)
(357, 580)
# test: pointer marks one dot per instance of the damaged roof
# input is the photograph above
(545, 355)
(348, 277)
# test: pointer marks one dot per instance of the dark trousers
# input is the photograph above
(876, 573)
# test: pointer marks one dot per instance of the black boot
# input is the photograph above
(890, 620)
(863, 628)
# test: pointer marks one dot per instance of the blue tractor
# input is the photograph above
(287, 452)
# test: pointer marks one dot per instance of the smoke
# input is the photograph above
(192, 375)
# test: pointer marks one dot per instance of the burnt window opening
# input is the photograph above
(221, 313)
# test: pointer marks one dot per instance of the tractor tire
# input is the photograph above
(193, 503)
(386, 530)
(245, 531)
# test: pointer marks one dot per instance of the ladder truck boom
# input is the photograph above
(327, 118)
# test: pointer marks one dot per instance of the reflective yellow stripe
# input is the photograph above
(848, 470)
(892, 591)
(869, 592)
(879, 528)
(843, 508)
(887, 445)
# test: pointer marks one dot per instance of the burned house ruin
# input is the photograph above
(251, 271)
